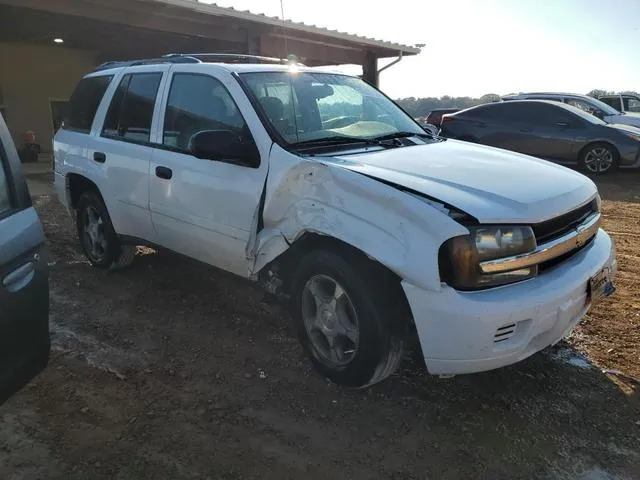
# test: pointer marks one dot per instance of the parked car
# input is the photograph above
(24, 285)
(627, 102)
(365, 228)
(435, 116)
(583, 102)
(549, 130)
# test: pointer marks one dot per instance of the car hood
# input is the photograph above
(625, 128)
(491, 184)
(626, 119)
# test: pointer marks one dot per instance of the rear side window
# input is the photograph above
(131, 110)
(498, 112)
(632, 104)
(84, 103)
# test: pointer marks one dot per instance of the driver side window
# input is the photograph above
(198, 102)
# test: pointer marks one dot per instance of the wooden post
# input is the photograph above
(370, 69)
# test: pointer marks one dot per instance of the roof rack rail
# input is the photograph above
(148, 61)
(228, 57)
(195, 58)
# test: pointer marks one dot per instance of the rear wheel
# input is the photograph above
(350, 316)
(599, 158)
(97, 236)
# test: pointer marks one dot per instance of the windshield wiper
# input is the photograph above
(336, 140)
(394, 135)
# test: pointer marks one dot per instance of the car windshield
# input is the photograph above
(585, 115)
(304, 107)
(607, 109)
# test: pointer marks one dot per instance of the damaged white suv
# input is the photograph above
(322, 189)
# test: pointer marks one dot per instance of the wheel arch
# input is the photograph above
(284, 264)
(603, 141)
(77, 185)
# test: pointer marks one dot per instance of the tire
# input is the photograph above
(372, 304)
(599, 158)
(97, 237)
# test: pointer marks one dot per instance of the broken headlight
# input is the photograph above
(460, 257)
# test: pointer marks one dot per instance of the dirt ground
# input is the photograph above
(168, 370)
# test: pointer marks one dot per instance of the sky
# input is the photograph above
(474, 47)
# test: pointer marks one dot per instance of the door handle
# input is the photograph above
(561, 124)
(19, 278)
(525, 130)
(164, 172)
(99, 157)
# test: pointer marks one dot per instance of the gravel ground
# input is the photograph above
(170, 370)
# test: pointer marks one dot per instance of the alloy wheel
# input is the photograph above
(330, 320)
(598, 160)
(93, 236)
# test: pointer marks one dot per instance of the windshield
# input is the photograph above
(307, 106)
(607, 109)
(585, 115)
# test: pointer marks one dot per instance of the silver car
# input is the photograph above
(583, 102)
(24, 283)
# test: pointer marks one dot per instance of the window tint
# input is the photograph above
(84, 102)
(131, 110)
(541, 113)
(495, 111)
(198, 102)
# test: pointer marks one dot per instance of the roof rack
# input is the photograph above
(193, 58)
(229, 57)
(148, 61)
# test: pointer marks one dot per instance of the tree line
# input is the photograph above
(420, 107)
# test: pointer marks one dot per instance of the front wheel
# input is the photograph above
(599, 158)
(349, 316)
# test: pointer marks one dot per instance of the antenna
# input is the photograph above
(286, 46)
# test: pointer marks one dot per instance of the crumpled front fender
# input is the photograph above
(399, 230)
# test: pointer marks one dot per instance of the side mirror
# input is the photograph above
(223, 145)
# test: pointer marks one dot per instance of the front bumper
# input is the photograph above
(466, 332)
(630, 158)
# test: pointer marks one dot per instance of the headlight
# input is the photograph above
(460, 257)
(632, 136)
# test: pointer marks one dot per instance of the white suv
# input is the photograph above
(319, 187)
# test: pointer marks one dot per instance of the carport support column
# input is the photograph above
(370, 69)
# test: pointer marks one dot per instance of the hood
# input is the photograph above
(625, 128)
(625, 119)
(493, 185)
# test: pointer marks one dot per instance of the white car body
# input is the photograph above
(389, 204)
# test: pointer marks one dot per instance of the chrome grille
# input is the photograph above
(558, 226)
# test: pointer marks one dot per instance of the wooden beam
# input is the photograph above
(309, 52)
(136, 14)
